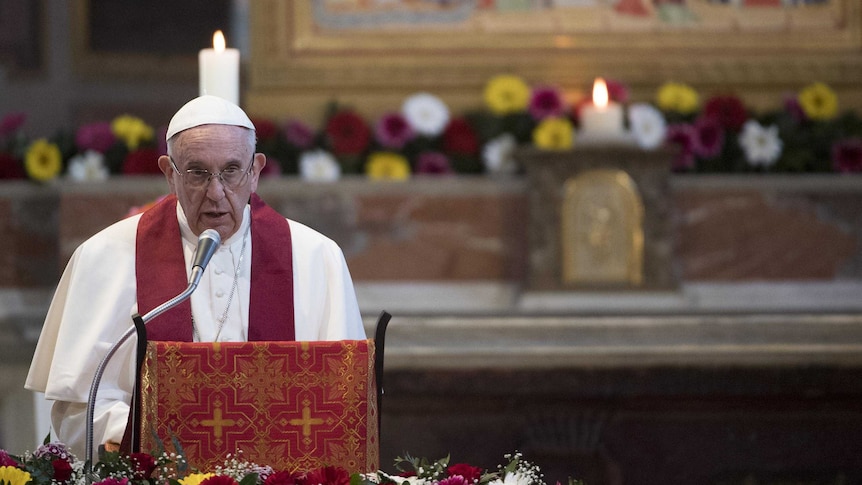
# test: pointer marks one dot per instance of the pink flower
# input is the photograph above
(727, 110)
(11, 168)
(545, 102)
(299, 134)
(684, 136)
(347, 133)
(460, 138)
(144, 161)
(6, 459)
(11, 123)
(847, 155)
(455, 480)
(95, 136)
(433, 163)
(393, 131)
(710, 137)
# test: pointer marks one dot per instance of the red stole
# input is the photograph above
(161, 274)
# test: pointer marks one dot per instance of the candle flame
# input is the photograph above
(600, 93)
(218, 41)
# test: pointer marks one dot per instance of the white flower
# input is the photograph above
(498, 154)
(762, 145)
(513, 478)
(88, 167)
(426, 114)
(319, 166)
(647, 124)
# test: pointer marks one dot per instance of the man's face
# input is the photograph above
(213, 204)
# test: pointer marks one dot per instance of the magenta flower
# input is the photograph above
(847, 155)
(710, 137)
(299, 134)
(684, 136)
(6, 459)
(393, 131)
(455, 480)
(11, 123)
(433, 163)
(792, 106)
(95, 136)
(545, 102)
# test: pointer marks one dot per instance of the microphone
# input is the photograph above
(208, 241)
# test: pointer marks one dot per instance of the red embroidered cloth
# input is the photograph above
(290, 405)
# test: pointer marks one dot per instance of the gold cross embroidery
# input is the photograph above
(306, 421)
(217, 422)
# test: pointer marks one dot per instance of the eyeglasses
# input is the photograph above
(231, 177)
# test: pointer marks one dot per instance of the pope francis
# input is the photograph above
(271, 278)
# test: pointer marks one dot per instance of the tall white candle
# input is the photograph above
(219, 70)
(603, 118)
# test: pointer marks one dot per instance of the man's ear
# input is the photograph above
(165, 167)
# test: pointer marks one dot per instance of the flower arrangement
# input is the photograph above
(715, 133)
(53, 464)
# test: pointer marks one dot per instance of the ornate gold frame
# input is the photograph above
(297, 67)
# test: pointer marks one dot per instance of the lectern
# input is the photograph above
(290, 405)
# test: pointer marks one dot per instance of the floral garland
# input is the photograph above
(53, 464)
(806, 134)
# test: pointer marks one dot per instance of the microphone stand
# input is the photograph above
(100, 370)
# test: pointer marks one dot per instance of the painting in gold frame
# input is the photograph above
(309, 52)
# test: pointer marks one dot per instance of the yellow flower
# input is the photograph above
(506, 94)
(387, 166)
(554, 133)
(43, 160)
(677, 97)
(131, 130)
(818, 101)
(10, 475)
(195, 478)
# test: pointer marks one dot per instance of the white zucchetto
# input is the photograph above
(207, 110)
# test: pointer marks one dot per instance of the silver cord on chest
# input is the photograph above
(233, 290)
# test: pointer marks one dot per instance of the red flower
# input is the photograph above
(329, 475)
(471, 473)
(265, 129)
(460, 138)
(144, 161)
(11, 167)
(727, 110)
(347, 133)
(847, 155)
(144, 465)
(684, 136)
(219, 480)
(617, 91)
(62, 470)
(285, 478)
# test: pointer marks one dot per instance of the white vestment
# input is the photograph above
(96, 297)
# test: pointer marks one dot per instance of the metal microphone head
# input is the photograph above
(208, 242)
